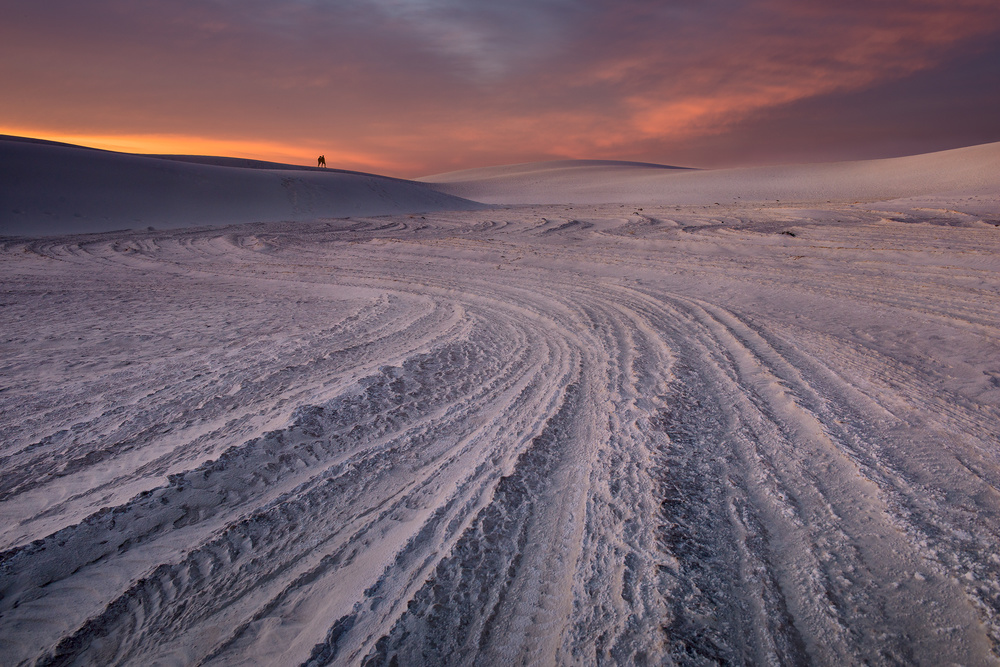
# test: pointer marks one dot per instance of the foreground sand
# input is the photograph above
(751, 433)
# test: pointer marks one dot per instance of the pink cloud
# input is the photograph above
(416, 87)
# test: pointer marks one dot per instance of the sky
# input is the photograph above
(415, 87)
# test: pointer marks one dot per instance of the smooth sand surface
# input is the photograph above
(48, 188)
(970, 170)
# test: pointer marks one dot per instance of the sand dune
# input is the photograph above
(973, 170)
(551, 435)
(48, 188)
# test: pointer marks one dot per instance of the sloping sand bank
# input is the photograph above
(48, 189)
(972, 170)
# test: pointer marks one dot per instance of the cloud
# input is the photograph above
(427, 85)
(487, 40)
(769, 54)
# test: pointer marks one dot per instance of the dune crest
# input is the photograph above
(51, 188)
(972, 170)
(48, 188)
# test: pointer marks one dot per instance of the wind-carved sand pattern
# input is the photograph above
(550, 435)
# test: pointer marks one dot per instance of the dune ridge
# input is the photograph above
(972, 170)
(48, 188)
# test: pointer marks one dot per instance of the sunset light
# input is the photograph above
(186, 145)
(412, 88)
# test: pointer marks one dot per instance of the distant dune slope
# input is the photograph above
(48, 188)
(974, 169)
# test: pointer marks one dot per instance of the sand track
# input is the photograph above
(523, 436)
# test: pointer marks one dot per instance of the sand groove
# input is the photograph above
(520, 436)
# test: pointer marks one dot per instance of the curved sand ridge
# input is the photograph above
(552, 435)
(48, 188)
(971, 170)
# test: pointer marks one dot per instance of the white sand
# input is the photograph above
(56, 189)
(970, 170)
(751, 432)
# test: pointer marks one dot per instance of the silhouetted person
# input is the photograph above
(321, 162)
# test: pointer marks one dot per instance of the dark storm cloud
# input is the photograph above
(411, 86)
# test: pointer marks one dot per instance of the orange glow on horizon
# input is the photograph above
(503, 83)
(167, 144)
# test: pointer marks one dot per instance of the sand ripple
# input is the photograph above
(533, 435)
